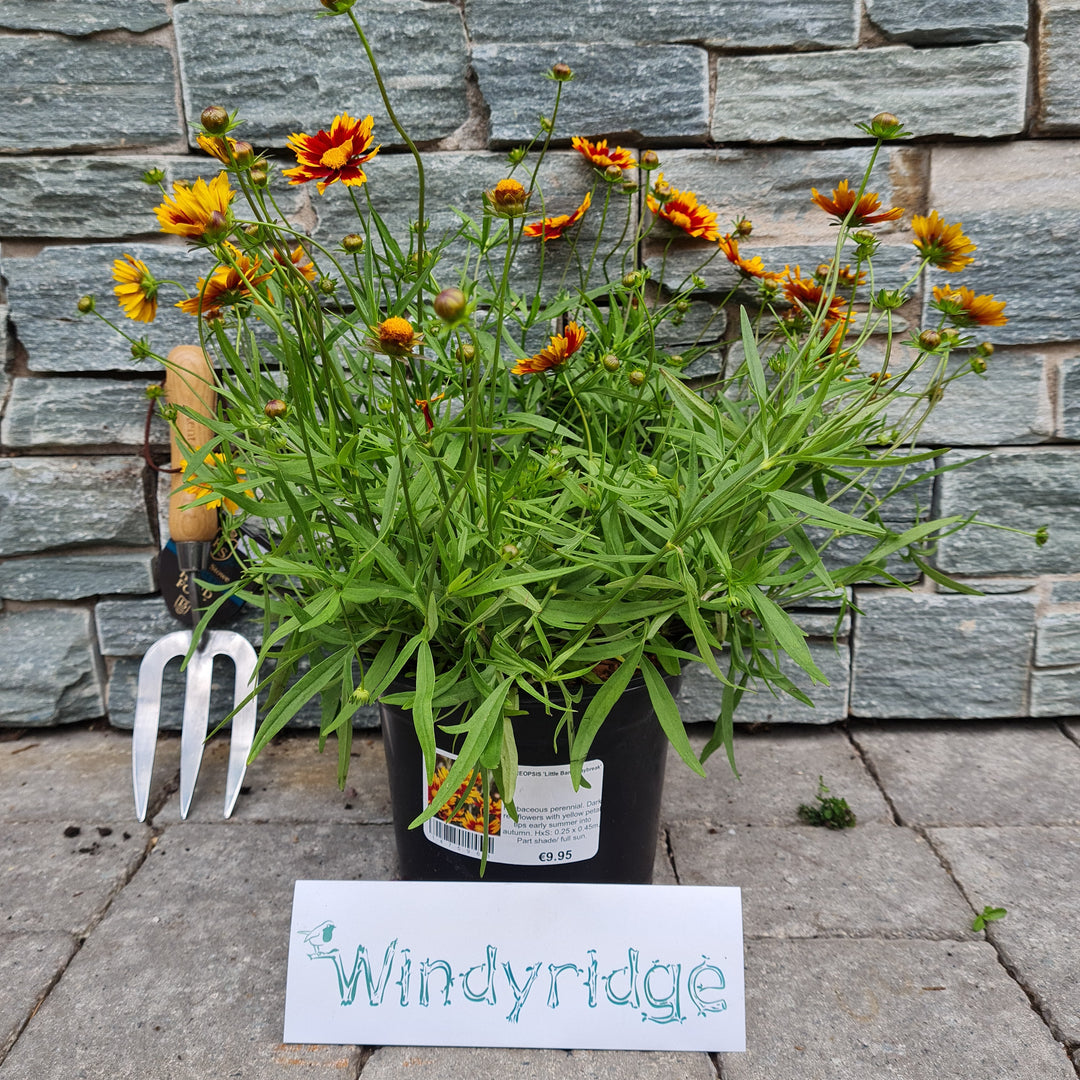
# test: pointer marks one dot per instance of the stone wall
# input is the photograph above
(750, 104)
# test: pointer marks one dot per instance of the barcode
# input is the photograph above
(455, 836)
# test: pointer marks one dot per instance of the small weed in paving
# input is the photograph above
(830, 812)
(987, 915)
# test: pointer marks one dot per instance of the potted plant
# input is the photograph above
(503, 511)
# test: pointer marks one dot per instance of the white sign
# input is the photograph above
(600, 967)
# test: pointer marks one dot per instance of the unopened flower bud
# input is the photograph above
(561, 72)
(259, 175)
(743, 228)
(215, 119)
(929, 340)
(217, 226)
(450, 305)
(466, 353)
(697, 281)
(864, 237)
(636, 378)
(663, 191)
(360, 696)
(327, 285)
(648, 160)
(677, 360)
(353, 243)
(154, 392)
(985, 349)
(153, 177)
(337, 7)
(509, 551)
(1042, 534)
(632, 280)
(275, 409)
(545, 123)
(85, 305)
(890, 299)
(611, 362)
(949, 336)
(978, 364)
(682, 306)
(244, 153)
(613, 174)
(140, 349)
(517, 155)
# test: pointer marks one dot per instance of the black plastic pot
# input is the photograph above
(557, 832)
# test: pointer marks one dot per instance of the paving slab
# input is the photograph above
(290, 781)
(80, 775)
(905, 1010)
(29, 964)
(428, 1063)
(779, 770)
(1033, 874)
(805, 882)
(63, 877)
(975, 773)
(187, 970)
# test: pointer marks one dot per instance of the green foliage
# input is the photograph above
(450, 518)
(987, 915)
(830, 812)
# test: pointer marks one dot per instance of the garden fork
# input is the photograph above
(189, 382)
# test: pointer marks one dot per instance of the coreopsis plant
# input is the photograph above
(469, 494)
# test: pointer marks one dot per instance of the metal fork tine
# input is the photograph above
(243, 723)
(148, 711)
(196, 720)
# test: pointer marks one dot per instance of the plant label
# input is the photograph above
(600, 967)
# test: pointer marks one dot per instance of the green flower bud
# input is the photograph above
(561, 73)
(140, 349)
(929, 340)
(275, 408)
(327, 285)
(648, 160)
(85, 304)
(509, 551)
(611, 362)
(215, 120)
(450, 305)
(636, 378)
(153, 177)
(244, 153)
(353, 243)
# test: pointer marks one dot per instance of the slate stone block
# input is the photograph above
(74, 577)
(78, 413)
(1058, 57)
(1057, 639)
(29, 965)
(43, 290)
(1010, 404)
(932, 22)
(1020, 204)
(659, 92)
(81, 197)
(1068, 421)
(49, 672)
(1065, 592)
(978, 90)
(929, 655)
(51, 502)
(1021, 489)
(724, 23)
(86, 95)
(285, 70)
(77, 18)
(1055, 691)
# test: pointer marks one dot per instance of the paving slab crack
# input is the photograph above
(670, 852)
(868, 764)
(80, 940)
(1034, 998)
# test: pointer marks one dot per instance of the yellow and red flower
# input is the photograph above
(964, 308)
(559, 350)
(866, 206)
(136, 289)
(943, 246)
(199, 211)
(226, 286)
(301, 260)
(682, 209)
(598, 154)
(198, 490)
(806, 294)
(507, 198)
(395, 336)
(551, 228)
(333, 155)
(752, 267)
(218, 146)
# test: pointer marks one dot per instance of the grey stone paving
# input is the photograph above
(131, 951)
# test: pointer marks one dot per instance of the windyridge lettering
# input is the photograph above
(664, 991)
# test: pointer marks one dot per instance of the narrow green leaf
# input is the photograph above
(667, 712)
